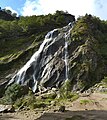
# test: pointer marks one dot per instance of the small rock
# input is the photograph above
(61, 109)
(6, 108)
(54, 89)
(53, 103)
(55, 110)
(9, 76)
(36, 112)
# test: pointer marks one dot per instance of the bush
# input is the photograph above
(65, 90)
(26, 101)
(14, 92)
(66, 93)
(105, 80)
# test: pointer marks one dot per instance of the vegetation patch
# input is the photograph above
(65, 92)
(14, 92)
(85, 102)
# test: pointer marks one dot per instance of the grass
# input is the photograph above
(84, 102)
(15, 95)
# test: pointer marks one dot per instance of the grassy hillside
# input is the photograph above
(89, 39)
(91, 26)
(20, 38)
(87, 48)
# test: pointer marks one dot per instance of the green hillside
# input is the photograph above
(89, 38)
(86, 60)
(20, 38)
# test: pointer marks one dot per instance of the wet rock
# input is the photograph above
(46, 68)
(8, 77)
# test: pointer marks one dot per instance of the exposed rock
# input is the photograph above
(61, 109)
(49, 94)
(84, 64)
(2, 87)
(53, 103)
(10, 76)
(47, 67)
(6, 108)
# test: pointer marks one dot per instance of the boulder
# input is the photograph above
(6, 108)
(61, 109)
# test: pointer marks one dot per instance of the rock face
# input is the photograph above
(46, 68)
(64, 55)
(86, 65)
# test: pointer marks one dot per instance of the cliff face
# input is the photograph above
(76, 53)
(20, 39)
(86, 61)
(47, 67)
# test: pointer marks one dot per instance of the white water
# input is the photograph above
(66, 61)
(67, 37)
(22, 76)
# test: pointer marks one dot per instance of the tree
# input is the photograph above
(14, 14)
(8, 11)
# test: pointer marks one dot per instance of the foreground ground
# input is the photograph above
(92, 107)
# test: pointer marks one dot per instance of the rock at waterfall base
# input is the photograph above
(6, 108)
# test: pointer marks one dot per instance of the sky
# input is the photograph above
(75, 7)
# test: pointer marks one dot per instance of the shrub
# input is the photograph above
(66, 93)
(14, 92)
(105, 80)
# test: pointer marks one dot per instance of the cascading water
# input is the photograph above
(66, 60)
(45, 68)
(67, 37)
(31, 65)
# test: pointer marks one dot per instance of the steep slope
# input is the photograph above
(86, 57)
(6, 16)
(19, 39)
(46, 68)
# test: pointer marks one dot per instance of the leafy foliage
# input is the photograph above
(89, 25)
(104, 80)
(91, 34)
(21, 37)
(12, 93)
(84, 101)
(66, 93)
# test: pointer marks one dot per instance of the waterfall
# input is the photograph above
(67, 37)
(32, 64)
(66, 60)
(46, 66)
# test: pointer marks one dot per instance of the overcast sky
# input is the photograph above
(75, 7)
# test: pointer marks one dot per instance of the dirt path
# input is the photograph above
(93, 107)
